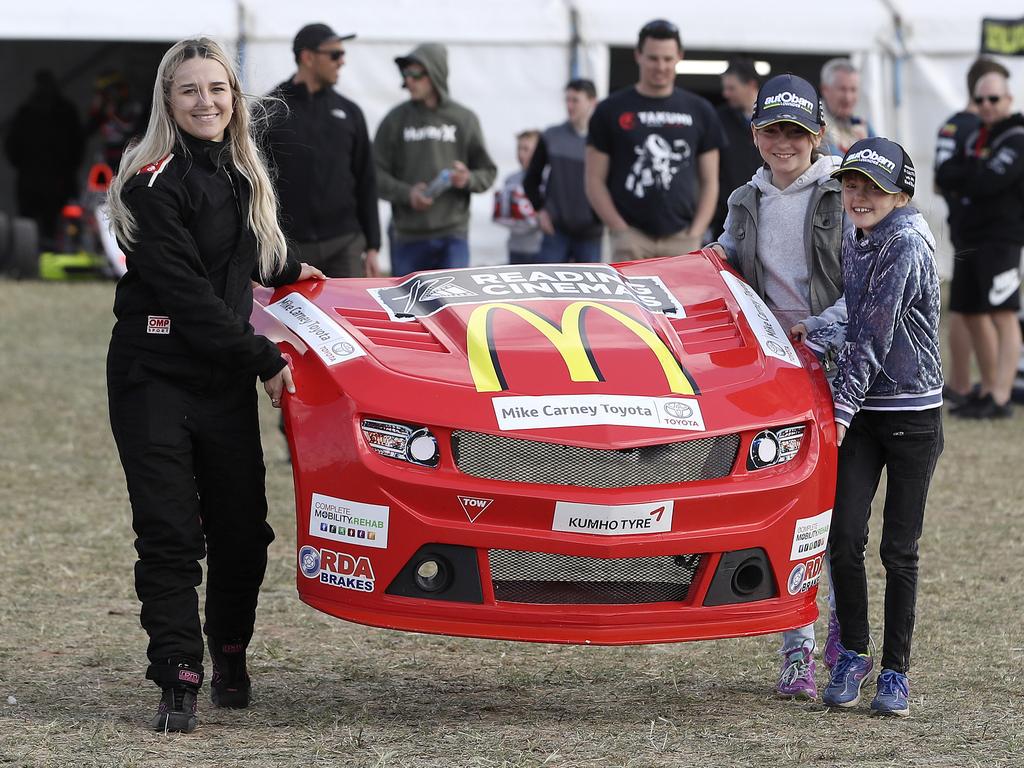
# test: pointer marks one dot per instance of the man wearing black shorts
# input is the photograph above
(952, 143)
(989, 178)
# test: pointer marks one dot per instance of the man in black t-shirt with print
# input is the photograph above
(652, 156)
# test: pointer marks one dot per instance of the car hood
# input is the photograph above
(518, 336)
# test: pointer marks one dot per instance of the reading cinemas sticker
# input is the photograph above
(810, 537)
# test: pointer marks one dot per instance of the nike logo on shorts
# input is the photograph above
(1004, 285)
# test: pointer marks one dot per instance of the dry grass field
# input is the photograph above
(328, 693)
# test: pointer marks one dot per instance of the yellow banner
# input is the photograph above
(570, 341)
(1002, 36)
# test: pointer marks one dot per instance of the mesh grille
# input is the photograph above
(537, 577)
(514, 460)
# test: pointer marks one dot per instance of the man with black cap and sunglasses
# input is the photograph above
(989, 178)
(652, 156)
(321, 149)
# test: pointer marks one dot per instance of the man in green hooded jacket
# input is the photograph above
(430, 157)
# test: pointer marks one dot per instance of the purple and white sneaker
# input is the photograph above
(796, 678)
(833, 646)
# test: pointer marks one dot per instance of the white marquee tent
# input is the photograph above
(509, 61)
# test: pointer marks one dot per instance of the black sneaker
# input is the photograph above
(230, 686)
(177, 712)
(986, 408)
(958, 402)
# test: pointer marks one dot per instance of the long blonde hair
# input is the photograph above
(163, 133)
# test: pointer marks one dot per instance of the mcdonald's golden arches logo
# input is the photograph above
(569, 338)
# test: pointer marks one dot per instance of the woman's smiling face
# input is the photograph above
(201, 99)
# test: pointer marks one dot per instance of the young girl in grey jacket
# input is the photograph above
(783, 233)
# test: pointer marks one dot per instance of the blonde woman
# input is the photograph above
(194, 211)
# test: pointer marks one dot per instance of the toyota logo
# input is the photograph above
(343, 348)
(678, 410)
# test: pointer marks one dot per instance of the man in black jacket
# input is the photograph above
(989, 178)
(325, 172)
(950, 144)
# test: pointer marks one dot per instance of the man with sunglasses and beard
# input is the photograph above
(988, 176)
(430, 157)
(320, 148)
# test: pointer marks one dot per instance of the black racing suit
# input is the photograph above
(181, 371)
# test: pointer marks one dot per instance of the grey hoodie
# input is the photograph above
(792, 258)
(414, 143)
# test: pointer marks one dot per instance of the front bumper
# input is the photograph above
(366, 522)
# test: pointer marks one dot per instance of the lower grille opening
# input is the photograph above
(538, 577)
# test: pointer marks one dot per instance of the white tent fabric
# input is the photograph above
(509, 61)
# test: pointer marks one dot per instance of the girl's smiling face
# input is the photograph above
(201, 99)
(866, 203)
(786, 147)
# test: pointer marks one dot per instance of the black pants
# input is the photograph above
(907, 444)
(194, 466)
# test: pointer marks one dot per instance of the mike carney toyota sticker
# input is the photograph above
(430, 292)
(773, 340)
(328, 340)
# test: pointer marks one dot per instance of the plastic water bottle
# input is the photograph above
(439, 183)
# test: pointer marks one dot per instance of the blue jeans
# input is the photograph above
(435, 253)
(563, 249)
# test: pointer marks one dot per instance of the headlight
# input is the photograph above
(771, 447)
(416, 445)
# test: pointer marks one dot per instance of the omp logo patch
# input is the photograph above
(158, 324)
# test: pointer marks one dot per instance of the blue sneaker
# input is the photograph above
(848, 676)
(893, 690)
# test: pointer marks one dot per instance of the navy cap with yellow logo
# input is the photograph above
(884, 162)
(788, 99)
